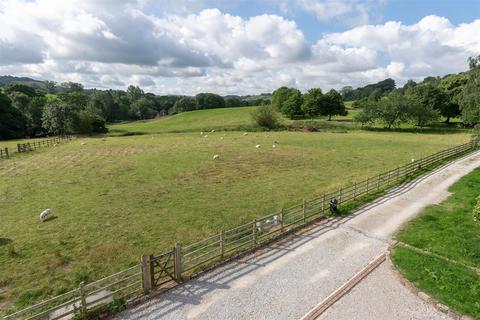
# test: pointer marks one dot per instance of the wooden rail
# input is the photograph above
(4, 153)
(184, 261)
(37, 144)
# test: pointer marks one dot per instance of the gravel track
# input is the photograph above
(289, 279)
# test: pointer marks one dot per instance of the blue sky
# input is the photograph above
(406, 11)
(236, 46)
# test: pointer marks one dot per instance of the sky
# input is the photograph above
(236, 46)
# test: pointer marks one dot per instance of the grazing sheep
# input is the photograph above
(201, 133)
(83, 143)
(45, 214)
(245, 133)
(216, 156)
(413, 160)
(274, 146)
(205, 136)
(213, 130)
(258, 146)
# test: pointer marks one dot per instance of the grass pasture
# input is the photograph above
(192, 121)
(116, 198)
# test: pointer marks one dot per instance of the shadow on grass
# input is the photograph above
(5, 241)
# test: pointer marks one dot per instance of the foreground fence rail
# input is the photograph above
(185, 261)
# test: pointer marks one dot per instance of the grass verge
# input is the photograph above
(448, 232)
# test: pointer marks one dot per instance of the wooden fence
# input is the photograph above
(184, 261)
(34, 145)
(4, 153)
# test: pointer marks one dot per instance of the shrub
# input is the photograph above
(476, 210)
(265, 117)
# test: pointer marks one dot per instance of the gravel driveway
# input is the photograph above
(288, 279)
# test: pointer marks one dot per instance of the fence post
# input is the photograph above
(340, 196)
(6, 153)
(281, 221)
(145, 274)
(354, 190)
(254, 232)
(323, 203)
(83, 301)
(304, 210)
(222, 243)
(18, 147)
(178, 262)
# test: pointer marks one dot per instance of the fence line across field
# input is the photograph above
(34, 145)
(6, 153)
(184, 261)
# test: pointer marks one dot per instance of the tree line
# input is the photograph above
(68, 108)
(423, 103)
(293, 104)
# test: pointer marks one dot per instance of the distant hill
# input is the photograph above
(382, 88)
(37, 84)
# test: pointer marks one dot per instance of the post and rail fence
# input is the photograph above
(6, 153)
(182, 262)
(34, 145)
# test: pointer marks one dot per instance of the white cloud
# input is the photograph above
(112, 44)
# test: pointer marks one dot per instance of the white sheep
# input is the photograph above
(213, 130)
(245, 133)
(274, 146)
(201, 133)
(216, 156)
(205, 136)
(83, 143)
(258, 146)
(45, 214)
(413, 160)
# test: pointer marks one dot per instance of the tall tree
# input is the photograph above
(12, 122)
(209, 101)
(293, 105)
(333, 104)
(58, 118)
(184, 104)
(469, 99)
(313, 102)
(134, 93)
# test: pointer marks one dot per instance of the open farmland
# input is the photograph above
(120, 197)
(200, 120)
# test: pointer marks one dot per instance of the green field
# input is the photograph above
(201, 120)
(448, 231)
(116, 198)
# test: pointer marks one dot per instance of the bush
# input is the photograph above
(476, 211)
(265, 117)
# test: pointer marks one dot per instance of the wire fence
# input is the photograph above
(182, 262)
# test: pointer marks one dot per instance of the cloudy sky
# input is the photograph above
(236, 46)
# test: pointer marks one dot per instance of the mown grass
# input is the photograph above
(116, 198)
(447, 230)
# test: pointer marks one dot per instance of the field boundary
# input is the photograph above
(5, 153)
(182, 262)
